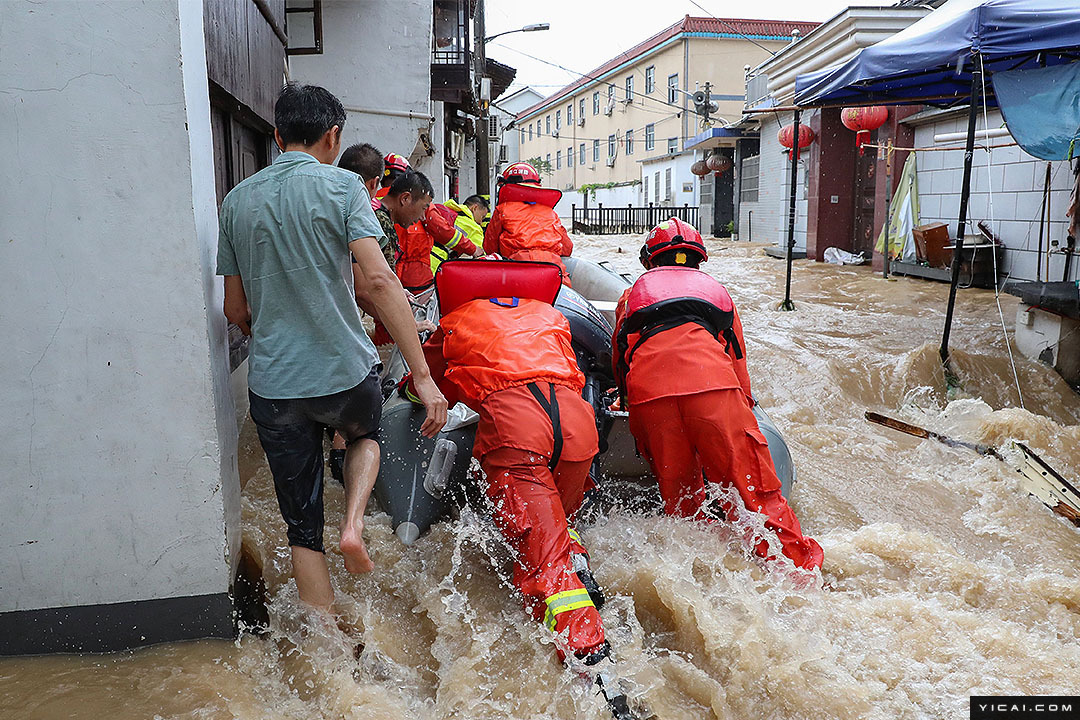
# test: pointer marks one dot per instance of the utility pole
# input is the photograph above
(708, 103)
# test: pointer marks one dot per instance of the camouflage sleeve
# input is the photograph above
(390, 249)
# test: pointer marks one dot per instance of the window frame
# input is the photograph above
(581, 108)
(581, 157)
(749, 178)
(629, 142)
(672, 145)
(570, 114)
(629, 88)
(316, 28)
(673, 89)
(596, 149)
(650, 80)
(612, 145)
(558, 120)
(547, 123)
(596, 103)
(570, 156)
(558, 159)
(650, 137)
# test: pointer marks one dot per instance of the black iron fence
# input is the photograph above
(602, 220)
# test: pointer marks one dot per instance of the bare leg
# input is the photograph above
(361, 467)
(312, 577)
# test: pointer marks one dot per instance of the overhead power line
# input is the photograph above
(586, 76)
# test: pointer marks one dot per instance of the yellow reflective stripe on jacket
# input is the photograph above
(574, 536)
(564, 601)
(459, 234)
(438, 254)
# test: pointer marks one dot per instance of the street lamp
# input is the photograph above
(531, 27)
(483, 165)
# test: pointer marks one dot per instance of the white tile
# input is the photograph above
(977, 208)
(1059, 203)
(1007, 155)
(929, 205)
(1004, 205)
(929, 161)
(1028, 205)
(1019, 177)
(1017, 234)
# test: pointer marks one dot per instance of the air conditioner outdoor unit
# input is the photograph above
(493, 128)
(555, 134)
(581, 122)
(610, 107)
(627, 101)
(611, 161)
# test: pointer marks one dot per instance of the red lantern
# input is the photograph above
(700, 168)
(863, 120)
(786, 136)
(719, 163)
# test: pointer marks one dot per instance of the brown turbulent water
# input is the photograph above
(942, 580)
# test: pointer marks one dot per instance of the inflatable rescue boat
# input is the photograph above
(421, 479)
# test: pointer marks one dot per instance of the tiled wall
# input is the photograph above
(1008, 195)
(770, 219)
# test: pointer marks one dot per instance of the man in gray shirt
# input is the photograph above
(286, 234)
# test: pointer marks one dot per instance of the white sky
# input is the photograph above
(586, 33)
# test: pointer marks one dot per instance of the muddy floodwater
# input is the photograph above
(940, 580)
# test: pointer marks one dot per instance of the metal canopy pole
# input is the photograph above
(888, 207)
(787, 304)
(965, 194)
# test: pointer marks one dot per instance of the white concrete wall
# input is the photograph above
(1014, 188)
(118, 436)
(608, 197)
(770, 222)
(680, 175)
(376, 57)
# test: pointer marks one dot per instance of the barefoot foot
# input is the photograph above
(354, 550)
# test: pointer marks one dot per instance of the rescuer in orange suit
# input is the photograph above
(504, 350)
(680, 361)
(525, 225)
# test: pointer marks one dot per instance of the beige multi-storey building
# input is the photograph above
(638, 106)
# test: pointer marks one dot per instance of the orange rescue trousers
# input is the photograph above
(717, 432)
(533, 508)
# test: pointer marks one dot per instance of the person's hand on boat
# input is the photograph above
(434, 402)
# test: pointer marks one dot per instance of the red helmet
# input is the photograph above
(673, 234)
(394, 163)
(520, 172)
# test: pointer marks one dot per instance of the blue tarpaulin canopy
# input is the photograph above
(931, 61)
(944, 60)
(1042, 109)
